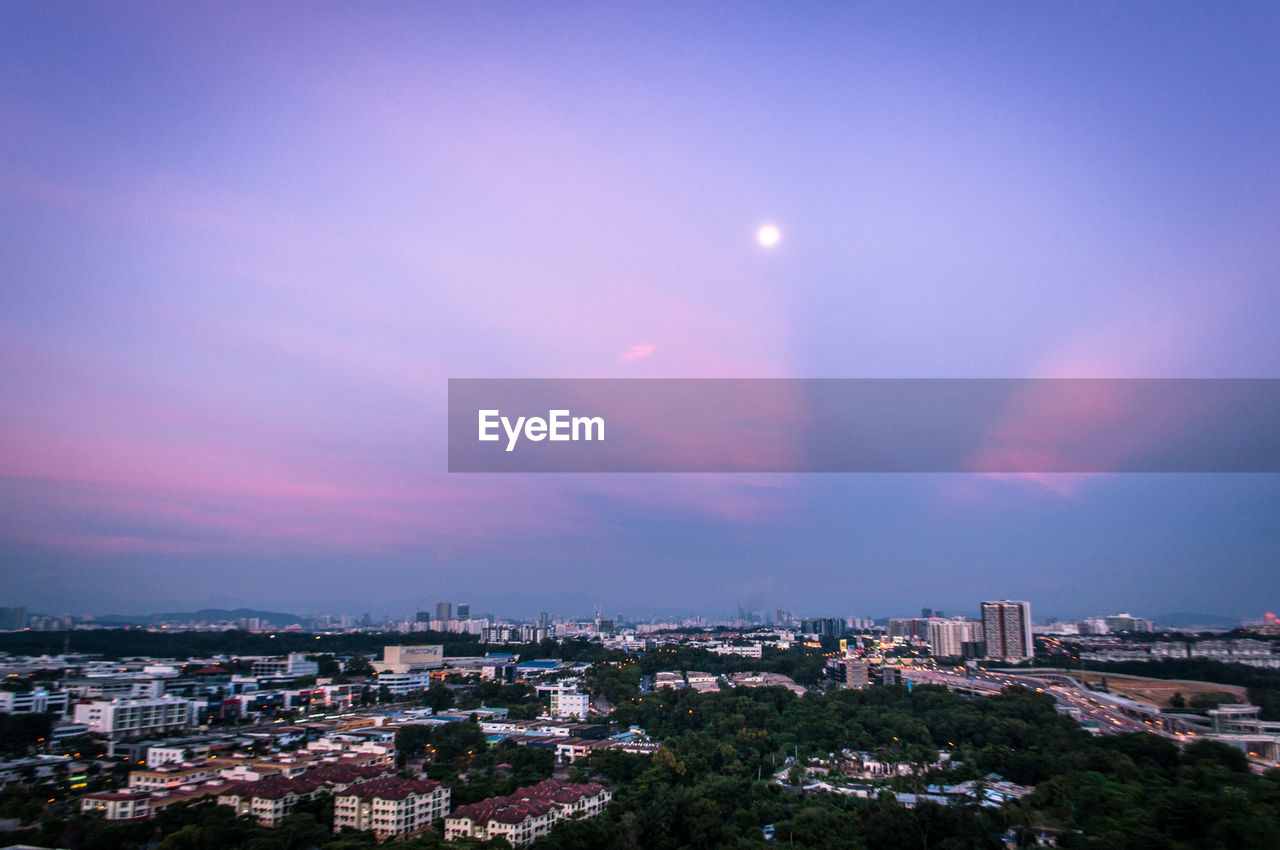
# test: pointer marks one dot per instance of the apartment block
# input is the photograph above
(527, 814)
(132, 718)
(391, 807)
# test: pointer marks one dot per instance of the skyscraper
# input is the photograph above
(464, 610)
(948, 637)
(444, 610)
(1007, 627)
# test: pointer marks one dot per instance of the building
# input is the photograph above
(167, 777)
(1006, 627)
(444, 610)
(13, 619)
(908, 628)
(498, 671)
(35, 701)
(118, 805)
(133, 718)
(293, 665)
(569, 702)
(947, 637)
(527, 814)
(400, 684)
(857, 673)
(269, 800)
(1117, 623)
(391, 807)
(411, 659)
(464, 611)
(824, 626)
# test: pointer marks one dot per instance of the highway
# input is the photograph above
(1112, 714)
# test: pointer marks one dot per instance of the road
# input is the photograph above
(1112, 714)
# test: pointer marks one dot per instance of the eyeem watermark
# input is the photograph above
(560, 426)
(865, 425)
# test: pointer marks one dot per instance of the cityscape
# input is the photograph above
(664, 426)
(511, 733)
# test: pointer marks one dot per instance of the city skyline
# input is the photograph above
(246, 247)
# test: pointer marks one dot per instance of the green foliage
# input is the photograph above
(22, 733)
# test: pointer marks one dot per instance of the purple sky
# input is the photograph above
(242, 250)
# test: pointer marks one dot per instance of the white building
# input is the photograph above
(754, 650)
(569, 702)
(293, 665)
(391, 807)
(131, 718)
(37, 701)
(410, 659)
(404, 683)
(118, 805)
(527, 814)
(947, 637)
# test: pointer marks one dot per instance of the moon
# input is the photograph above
(768, 235)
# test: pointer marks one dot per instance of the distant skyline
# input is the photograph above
(1170, 619)
(245, 246)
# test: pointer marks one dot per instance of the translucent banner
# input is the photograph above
(864, 425)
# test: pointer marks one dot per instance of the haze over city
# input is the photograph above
(245, 247)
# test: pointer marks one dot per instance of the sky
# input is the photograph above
(244, 246)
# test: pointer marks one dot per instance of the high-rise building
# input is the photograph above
(911, 628)
(444, 610)
(857, 673)
(423, 617)
(947, 637)
(13, 619)
(464, 611)
(1006, 626)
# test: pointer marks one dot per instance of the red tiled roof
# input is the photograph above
(275, 788)
(523, 802)
(390, 788)
(344, 774)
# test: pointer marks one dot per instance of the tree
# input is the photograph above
(359, 665)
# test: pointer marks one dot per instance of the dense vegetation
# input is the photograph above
(1135, 791)
(131, 643)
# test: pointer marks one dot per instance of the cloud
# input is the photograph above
(639, 351)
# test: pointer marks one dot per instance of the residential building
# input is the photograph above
(132, 718)
(947, 637)
(1006, 628)
(118, 805)
(391, 807)
(400, 684)
(569, 702)
(269, 800)
(1117, 623)
(527, 814)
(170, 776)
(293, 665)
(35, 701)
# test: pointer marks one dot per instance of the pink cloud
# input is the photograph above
(639, 351)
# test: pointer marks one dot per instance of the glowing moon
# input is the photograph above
(768, 235)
